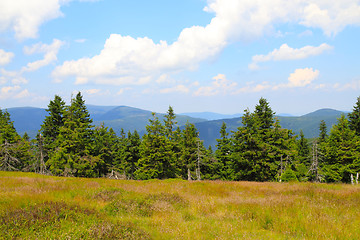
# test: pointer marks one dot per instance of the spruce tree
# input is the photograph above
(74, 143)
(170, 122)
(342, 152)
(132, 154)
(223, 154)
(303, 149)
(156, 153)
(52, 123)
(323, 131)
(264, 114)
(173, 135)
(259, 145)
(302, 163)
(14, 150)
(189, 152)
(104, 147)
(354, 118)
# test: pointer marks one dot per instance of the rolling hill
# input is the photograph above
(309, 123)
(29, 119)
(210, 115)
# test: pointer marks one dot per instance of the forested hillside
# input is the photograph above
(29, 120)
(260, 149)
(309, 124)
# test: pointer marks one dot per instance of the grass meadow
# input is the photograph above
(34, 206)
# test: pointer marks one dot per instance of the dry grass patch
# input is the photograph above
(176, 209)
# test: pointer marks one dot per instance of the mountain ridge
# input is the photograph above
(29, 119)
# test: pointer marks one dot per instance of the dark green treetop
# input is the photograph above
(323, 131)
(50, 128)
(264, 114)
(354, 118)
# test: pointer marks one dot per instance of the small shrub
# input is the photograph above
(289, 176)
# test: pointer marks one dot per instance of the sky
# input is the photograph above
(194, 55)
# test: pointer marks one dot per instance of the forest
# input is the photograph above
(68, 144)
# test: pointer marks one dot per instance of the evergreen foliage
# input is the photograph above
(50, 128)
(342, 152)
(189, 153)
(354, 118)
(223, 154)
(14, 150)
(156, 159)
(260, 149)
(259, 145)
(72, 156)
(323, 131)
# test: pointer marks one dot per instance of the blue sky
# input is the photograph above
(195, 55)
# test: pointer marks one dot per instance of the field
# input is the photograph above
(42, 207)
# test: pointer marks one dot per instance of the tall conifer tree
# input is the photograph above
(50, 128)
(223, 154)
(74, 143)
(342, 152)
(354, 118)
(156, 153)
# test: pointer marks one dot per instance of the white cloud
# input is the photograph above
(23, 94)
(287, 53)
(178, 88)
(220, 85)
(17, 93)
(24, 17)
(331, 16)
(353, 85)
(50, 54)
(12, 76)
(249, 88)
(5, 57)
(19, 80)
(302, 77)
(165, 79)
(92, 91)
(13, 92)
(125, 60)
(136, 59)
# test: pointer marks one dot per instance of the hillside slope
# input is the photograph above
(309, 123)
(29, 119)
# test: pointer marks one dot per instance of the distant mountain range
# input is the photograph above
(29, 119)
(211, 115)
(210, 130)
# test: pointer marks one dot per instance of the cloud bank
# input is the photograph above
(287, 53)
(128, 60)
(24, 17)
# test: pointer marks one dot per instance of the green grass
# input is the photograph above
(41, 207)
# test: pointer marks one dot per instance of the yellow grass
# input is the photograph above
(174, 209)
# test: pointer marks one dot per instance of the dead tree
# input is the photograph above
(41, 163)
(199, 155)
(314, 168)
(8, 161)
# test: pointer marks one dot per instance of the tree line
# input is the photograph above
(68, 144)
